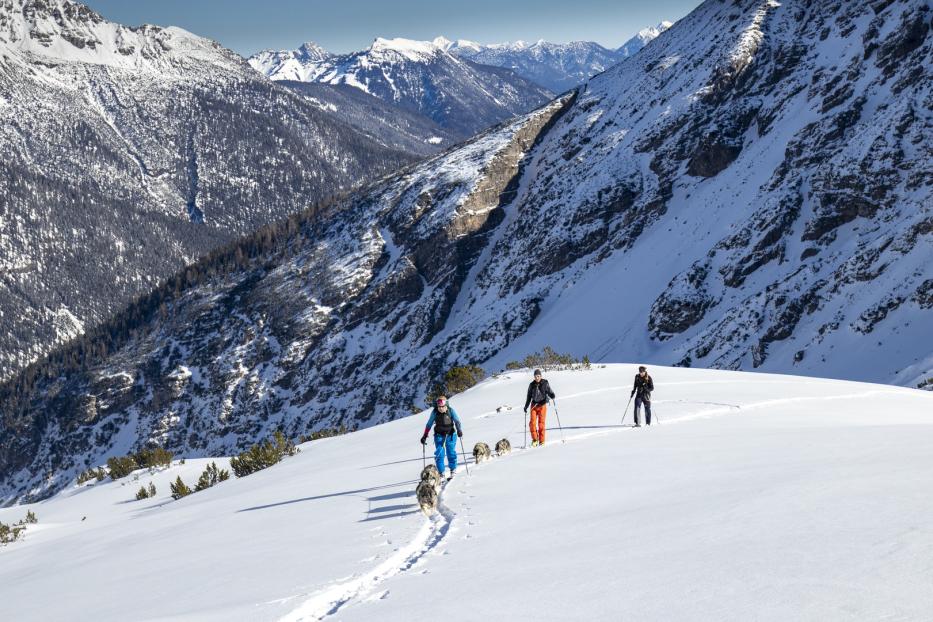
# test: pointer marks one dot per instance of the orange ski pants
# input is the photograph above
(536, 422)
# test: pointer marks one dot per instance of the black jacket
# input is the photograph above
(544, 393)
(643, 387)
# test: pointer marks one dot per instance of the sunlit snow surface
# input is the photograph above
(758, 497)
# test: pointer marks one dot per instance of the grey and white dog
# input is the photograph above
(503, 447)
(481, 452)
(432, 475)
(427, 497)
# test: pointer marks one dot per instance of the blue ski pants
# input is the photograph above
(446, 444)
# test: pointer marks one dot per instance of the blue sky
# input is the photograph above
(346, 25)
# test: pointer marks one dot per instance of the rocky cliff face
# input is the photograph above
(125, 153)
(750, 191)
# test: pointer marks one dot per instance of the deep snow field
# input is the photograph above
(758, 497)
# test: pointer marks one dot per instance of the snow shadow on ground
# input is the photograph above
(345, 493)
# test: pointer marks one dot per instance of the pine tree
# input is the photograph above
(152, 489)
(211, 477)
(142, 493)
(179, 489)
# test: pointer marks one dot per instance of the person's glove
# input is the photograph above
(424, 440)
(459, 433)
(633, 393)
(525, 411)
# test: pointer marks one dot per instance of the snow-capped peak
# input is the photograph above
(311, 51)
(63, 30)
(458, 45)
(443, 42)
(643, 38)
(418, 51)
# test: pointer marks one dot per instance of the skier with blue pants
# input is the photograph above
(445, 422)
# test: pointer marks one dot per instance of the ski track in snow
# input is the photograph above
(369, 587)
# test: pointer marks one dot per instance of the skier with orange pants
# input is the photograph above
(539, 394)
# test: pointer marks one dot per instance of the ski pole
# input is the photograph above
(465, 465)
(526, 429)
(559, 427)
(424, 458)
(656, 417)
(626, 409)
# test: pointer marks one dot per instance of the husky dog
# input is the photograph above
(481, 452)
(427, 497)
(503, 447)
(432, 475)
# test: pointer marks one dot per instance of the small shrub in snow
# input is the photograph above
(152, 489)
(263, 455)
(149, 458)
(85, 476)
(548, 359)
(142, 493)
(154, 457)
(121, 467)
(456, 380)
(211, 477)
(11, 533)
(179, 489)
(325, 433)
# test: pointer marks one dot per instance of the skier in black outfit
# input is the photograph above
(642, 389)
(539, 394)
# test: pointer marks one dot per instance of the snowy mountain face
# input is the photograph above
(388, 124)
(557, 66)
(641, 39)
(417, 76)
(751, 191)
(756, 496)
(128, 152)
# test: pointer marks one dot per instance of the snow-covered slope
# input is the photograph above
(757, 497)
(733, 196)
(417, 76)
(125, 153)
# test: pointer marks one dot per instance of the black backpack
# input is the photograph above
(443, 422)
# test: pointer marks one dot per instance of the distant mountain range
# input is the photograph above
(556, 66)
(417, 76)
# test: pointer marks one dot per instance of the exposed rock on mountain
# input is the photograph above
(127, 152)
(751, 191)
